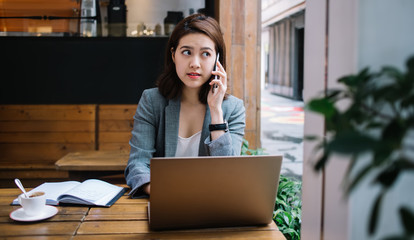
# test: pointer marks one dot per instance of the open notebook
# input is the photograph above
(91, 192)
(205, 192)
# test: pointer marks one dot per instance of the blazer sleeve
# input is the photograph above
(137, 172)
(229, 144)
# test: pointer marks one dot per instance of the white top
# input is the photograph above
(188, 147)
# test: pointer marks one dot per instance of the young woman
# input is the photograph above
(189, 113)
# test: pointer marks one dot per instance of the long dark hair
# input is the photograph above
(169, 84)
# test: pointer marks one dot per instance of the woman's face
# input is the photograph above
(194, 59)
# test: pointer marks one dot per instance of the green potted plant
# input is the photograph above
(379, 120)
(288, 207)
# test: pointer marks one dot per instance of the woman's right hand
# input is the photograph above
(215, 98)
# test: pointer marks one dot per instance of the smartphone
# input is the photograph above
(214, 69)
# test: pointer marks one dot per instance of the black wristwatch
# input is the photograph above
(222, 126)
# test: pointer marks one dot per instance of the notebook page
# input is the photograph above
(95, 191)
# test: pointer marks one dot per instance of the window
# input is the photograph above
(285, 57)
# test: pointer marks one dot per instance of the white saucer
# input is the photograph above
(20, 215)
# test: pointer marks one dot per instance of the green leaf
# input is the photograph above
(246, 151)
(311, 138)
(394, 132)
(277, 214)
(351, 142)
(410, 67)
(364, 74)
(404, 164)
(388, 95)
(407, 218)
(396, 238)
(280, 223)
(375, 214)
(349, 81)
(410, 64)
(353, 81)
(374, 124)
(393, 72)
(287, 213)
(333, 93)
(407, 102)
(287, 217)
(388, 176)
(382, 153)
(289, 231)
(282, 204)
(322, 106)
(322, 161)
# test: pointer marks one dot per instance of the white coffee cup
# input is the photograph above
(34, 204)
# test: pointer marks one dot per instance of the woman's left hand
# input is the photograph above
(216, 95)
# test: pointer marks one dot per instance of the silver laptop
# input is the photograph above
(207, 192)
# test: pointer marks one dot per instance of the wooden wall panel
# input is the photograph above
(124, 147)
(238, 71)
(114, 137)
(38, 153)
(225, 24)
(47, 137)
(240, 22)
(34, 137)
(117, 112)
(46, 126)
(38, 174)
(115, 126)
(252, 65)
(47, 112)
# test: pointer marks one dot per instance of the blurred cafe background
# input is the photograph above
(85, 51)
(72, 72)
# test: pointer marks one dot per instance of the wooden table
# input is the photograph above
(126, 219)
(94, 164)
(94, 161)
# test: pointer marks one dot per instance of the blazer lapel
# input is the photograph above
(205, 133)
(172, 117)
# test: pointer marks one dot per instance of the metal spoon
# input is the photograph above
(20, 185)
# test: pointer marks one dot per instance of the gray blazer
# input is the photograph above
(155, 134)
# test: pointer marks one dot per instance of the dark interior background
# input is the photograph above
(81, 70)
(64, 70)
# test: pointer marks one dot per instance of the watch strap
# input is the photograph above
(216, 127)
